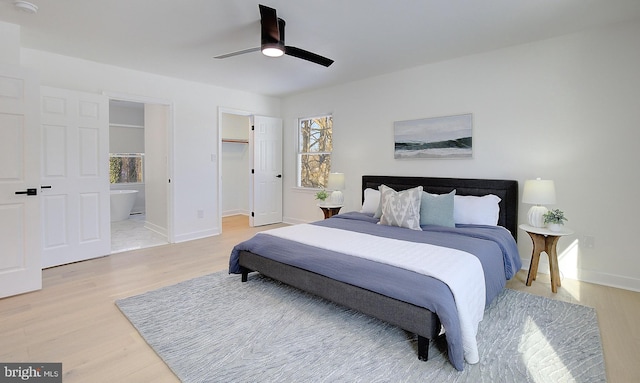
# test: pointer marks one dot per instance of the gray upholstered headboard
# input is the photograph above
(507, 190)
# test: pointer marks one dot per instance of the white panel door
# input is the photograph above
(20, 239)
(266, 180)
(75, 176)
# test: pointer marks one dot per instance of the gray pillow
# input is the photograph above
(437, 209)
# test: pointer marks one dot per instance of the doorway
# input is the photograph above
(139, 173)
(251, 145)
(235, 165)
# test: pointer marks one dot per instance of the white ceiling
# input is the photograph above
(366, 38)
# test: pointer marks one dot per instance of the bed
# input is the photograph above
(339, 259)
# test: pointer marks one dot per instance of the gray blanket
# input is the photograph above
(494, 247)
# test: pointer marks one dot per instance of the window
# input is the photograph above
(126, 168)
(315, 144)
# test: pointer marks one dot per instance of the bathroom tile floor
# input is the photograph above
(131, 234)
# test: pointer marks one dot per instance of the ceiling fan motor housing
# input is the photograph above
(271, 45)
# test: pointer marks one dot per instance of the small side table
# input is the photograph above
(330, 210)
(545, 240)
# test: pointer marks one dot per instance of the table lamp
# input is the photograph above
(336, 184)
(538, 192)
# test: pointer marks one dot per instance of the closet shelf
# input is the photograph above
(235, 140)
(126, 126)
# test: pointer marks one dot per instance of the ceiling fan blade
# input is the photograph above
(309, 56)
(224, 56)
(269, 23)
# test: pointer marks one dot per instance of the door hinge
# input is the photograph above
(253, 171)
(253, 127)
(253, 215)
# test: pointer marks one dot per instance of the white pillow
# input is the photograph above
(401, 209)
(476, 210)
(371, 201)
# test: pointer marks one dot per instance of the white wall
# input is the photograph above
(565, 109)
(10, 43)
(126, 113)
(194, 118)
(126, 139)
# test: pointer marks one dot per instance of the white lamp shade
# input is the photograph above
(336, 181)
(539, 192)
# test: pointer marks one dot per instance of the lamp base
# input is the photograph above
(536, 214)
(337, 198)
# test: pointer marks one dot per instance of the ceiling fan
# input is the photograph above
(272, 42)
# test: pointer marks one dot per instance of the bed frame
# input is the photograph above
(420, 321)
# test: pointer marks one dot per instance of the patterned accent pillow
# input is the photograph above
(401, 209)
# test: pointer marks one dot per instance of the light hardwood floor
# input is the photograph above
(74, 320)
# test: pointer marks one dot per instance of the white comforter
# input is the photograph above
(461, 271)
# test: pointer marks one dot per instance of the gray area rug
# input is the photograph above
(217, 329)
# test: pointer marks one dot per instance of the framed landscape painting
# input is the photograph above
(437, 137)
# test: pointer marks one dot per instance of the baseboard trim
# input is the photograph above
(229, 213)
(155, 228)
(589, 276)
(196, 235)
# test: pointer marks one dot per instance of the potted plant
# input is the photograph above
(554, 219)
(322, 195)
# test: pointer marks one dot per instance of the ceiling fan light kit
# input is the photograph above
(272, 51)
(272, 40)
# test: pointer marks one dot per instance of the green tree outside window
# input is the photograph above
(126, 168)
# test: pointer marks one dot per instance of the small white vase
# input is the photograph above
(556, 227)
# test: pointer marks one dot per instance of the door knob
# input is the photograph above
(28, 192)
(279, 176)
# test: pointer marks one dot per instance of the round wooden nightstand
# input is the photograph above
(545, 240)
(330, 210)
